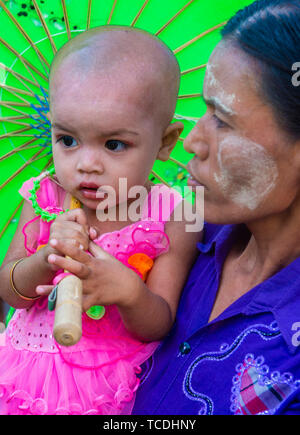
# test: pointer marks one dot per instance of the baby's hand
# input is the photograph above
(70, 228)
(106, 280)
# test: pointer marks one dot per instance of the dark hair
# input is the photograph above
(269, 31)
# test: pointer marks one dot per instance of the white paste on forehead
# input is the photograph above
(247, 172)
(222, 98)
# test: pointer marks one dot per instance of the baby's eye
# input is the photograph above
(115, 145)
(219, 122)
(68, 141)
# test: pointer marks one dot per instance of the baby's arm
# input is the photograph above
(35, 270)
(154, 311)
(28, 273)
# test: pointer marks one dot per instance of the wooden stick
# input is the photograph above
(20, 77)
(30, 161)
(111, 11)
(18, 90)
(11, 217)
(186, 44)
(155, 174)
(13, 103)
(67, 328)
(195, 68)
(20, 28)
(43, 22)
(182, 97)
(139, 13)
(28, 65)
(66, 17)
(15, 132)
(173, 18)
(88, 20)
(178, 163)
(23, 147)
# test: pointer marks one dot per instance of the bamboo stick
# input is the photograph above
(112, 11)
(28, 65)
(43, 22)
(173, 18)
(139, 13)
(66, 17)
(26, 36)
(196, 38)
(155, 174)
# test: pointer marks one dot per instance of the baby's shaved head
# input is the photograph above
(131, 57)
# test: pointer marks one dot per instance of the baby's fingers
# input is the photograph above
(73, 266)
(44, 290)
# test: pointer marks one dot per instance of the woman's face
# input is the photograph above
(245, 162)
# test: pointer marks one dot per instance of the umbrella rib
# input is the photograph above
(13, 121)
(173, 18)
(182, 97)
(139, 13)
(25, 62)
(178, 163)
(11, 217)
(66, 17)
(155, 174)
(33, 159)
(25, 146)
(20, 91)
(13, 103)
(8, 104)
(195, 68)
(19, 76)
(112, 11)
(43, 22)
(20, 28)
(88, 20)
(14, 133)
(196, 38)
(8, 89)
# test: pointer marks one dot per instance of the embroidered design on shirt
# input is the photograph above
(265, 332)
(256, 391)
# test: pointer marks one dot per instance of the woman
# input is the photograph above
(235, 347)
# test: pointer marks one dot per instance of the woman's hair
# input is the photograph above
(269, 31)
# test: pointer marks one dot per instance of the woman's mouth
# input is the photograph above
(192, 181)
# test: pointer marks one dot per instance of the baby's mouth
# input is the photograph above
(89, 190)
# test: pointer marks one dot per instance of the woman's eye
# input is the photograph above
(68, 141)
(219, 122)
(115, 145)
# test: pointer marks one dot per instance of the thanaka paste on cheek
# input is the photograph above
(222, 98)
(247, 172)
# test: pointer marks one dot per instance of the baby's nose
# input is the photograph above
(88, 161)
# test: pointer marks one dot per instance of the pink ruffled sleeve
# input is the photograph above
(51, 198)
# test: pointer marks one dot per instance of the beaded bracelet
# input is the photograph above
(44, 214)
(13, 287)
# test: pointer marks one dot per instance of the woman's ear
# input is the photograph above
(169, 139)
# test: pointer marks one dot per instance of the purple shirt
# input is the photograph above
(246, 361)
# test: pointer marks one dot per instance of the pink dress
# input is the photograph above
(99, 374)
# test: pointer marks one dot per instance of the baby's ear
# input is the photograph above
(169, 139)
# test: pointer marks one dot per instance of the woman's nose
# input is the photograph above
(89, 161)
(195, 141)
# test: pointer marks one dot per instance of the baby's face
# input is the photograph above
(101, 131)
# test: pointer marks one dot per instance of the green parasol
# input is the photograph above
(30, 34)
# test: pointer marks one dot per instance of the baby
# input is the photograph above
(113, 92)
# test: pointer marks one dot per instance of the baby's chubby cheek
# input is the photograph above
(247, 173)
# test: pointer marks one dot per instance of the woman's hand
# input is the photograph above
(71, 228)
(105, 280)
